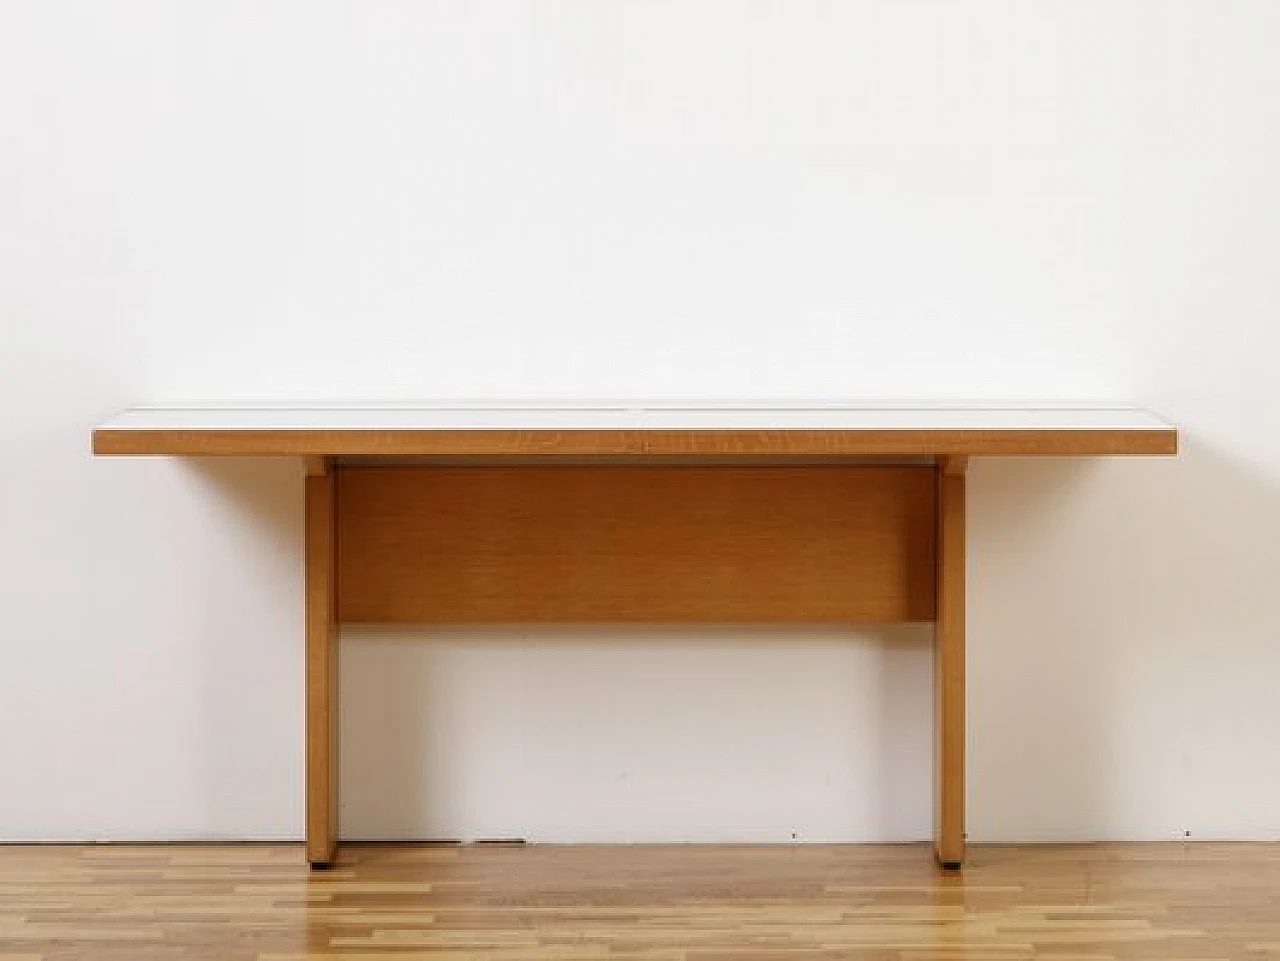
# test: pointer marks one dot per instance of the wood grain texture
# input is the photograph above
(888, 442)
(949, 667)
(321, 666)
(500, 544)
(1104, 902)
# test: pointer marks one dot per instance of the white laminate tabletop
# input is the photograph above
(853, 416)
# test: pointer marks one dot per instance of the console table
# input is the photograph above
(491, 513)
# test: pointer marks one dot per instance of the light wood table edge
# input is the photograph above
(392, 442)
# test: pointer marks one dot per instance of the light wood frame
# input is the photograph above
(869, 544)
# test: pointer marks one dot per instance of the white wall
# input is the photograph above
(482, 199)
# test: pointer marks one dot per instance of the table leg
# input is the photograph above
(321, 667)
(949, 666)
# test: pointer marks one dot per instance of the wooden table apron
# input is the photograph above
(500, 532)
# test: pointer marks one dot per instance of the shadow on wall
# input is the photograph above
(641, 733)
(250, 630)
(263, 495)
(1121, 657)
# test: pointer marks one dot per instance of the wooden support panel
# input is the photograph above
(600, 543)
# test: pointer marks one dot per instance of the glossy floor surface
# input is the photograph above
(657, 903)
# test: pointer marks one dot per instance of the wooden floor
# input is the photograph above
(702, 903)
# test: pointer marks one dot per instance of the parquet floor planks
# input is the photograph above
(1096, 902)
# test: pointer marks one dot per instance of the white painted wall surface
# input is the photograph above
(777, 201)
